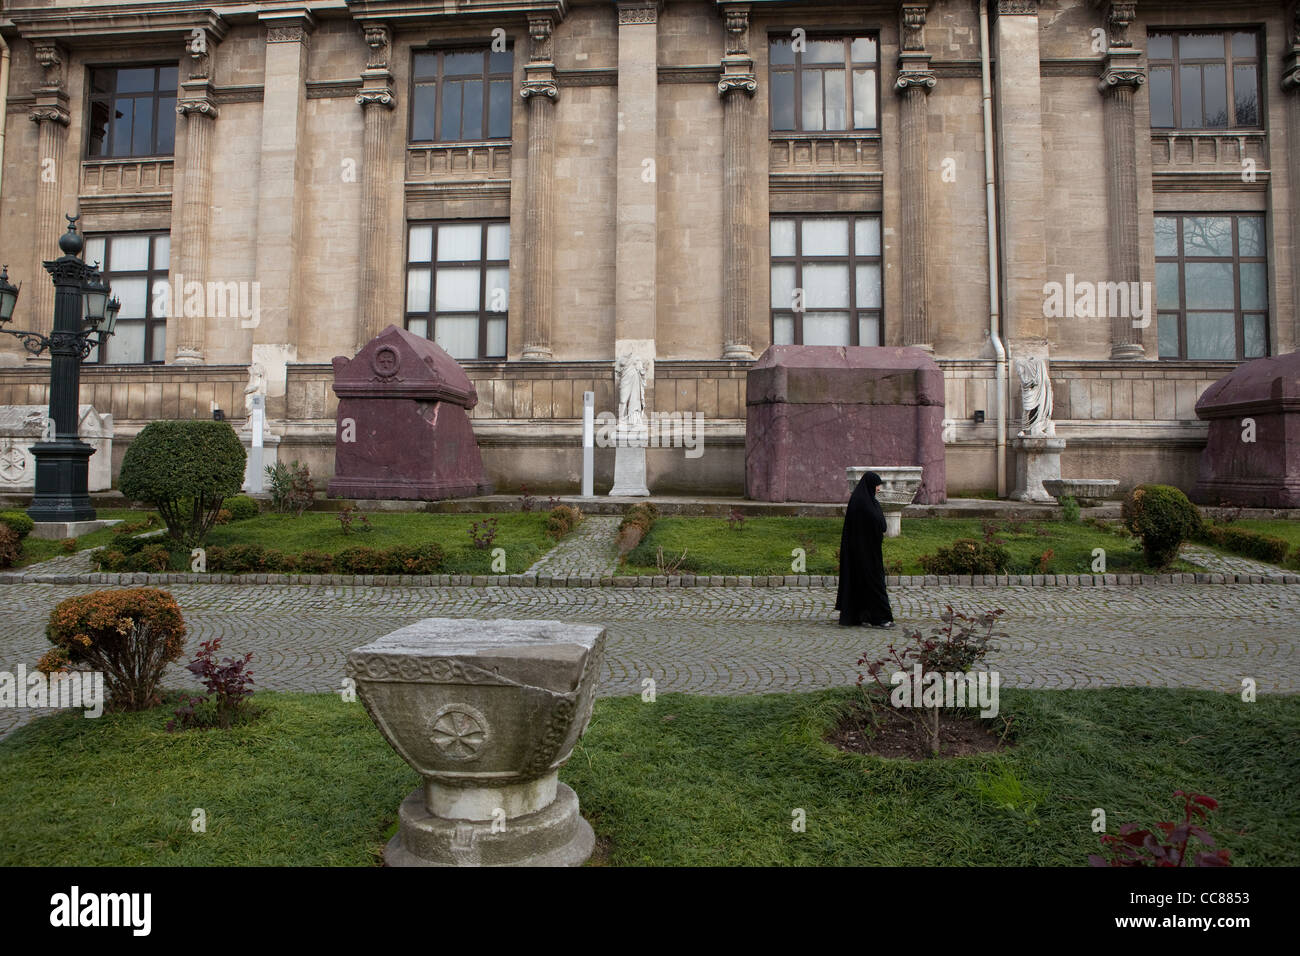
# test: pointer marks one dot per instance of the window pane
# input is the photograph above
(142, 130)
(458, 335)
(462, 64)
(98, 129)
(1160, 46)
(826, 286)
(498, 289)
(1250, 235)
(1167, 326)
(134, 296)
(864, 99)
(127, 343)
(782, 237)
(781, 52)
(496, 338)
(1208, 285)
(501, 62)
(162, 250)
(451, 95)
(459, 242)
(812, 100)
(1162, 98)
(1167, 285)
(1245, 95)
(868, 287)
(123, 113)
(166, 141)
(135, 81)
(498, 241)
(1216, 96)
(867, 236)
(782, 287)
(421, 246)
(864, 50)
(426, 65)
(422, 112)
(1254, 285)
(1189, 78)
(835, 99)
(1256, 338)
(1197, 46)
(418, 327)
(825, 237)
(457, 290)
(1243, 44)
(1207, 236)
(158, 346)
(160, 298)
(1210, 335)
(869, 330)
(824, 51)
(417, 290)
(1166, 236)
(499, 110)
(826, 328)
(472, 122)
(783, 330)
(781, 88)
(94, 251)
(129, 254)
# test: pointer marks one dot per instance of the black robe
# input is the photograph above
(862, 598)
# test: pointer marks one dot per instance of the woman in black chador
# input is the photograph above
(862, 598)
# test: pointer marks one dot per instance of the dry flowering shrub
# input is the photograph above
(128, 635)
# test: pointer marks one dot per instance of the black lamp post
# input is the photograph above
(82, 309)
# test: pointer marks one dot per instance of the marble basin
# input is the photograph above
(901, 483)
(1086, 491)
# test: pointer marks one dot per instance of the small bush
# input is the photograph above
(1069, 509)
(291, 487)
(241, 559)
(128, 635)
(10, 547)
(316, 562)
(636, 524)
(349, 515)
(562, 520)
(185, 469)
(1250, 544)
(360, 561)
(1163, 518)
(242, 508)
(223, 517)
(413, 559)
(483, 533)
(19, 522)
(228, 683)
(69, 545)
(968, 556)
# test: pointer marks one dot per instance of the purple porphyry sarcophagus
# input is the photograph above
(402, 430)
(812, 411)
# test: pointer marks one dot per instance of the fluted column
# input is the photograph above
(200, 112)
(1119, 82)
(376, 100)
(50, 114)
(914, 83)
(737, 87)
(1291, 87)
(540, 92)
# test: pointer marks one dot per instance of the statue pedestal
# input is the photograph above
(900, 484)
(1036, 459)
(258, 460)
(629, 461)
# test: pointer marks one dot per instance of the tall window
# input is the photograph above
(827, 84)
(1204, 80)
(135, 265)
(132, 111)
(458, 285)
(1212, 286)
(826, 280)
(461, 95)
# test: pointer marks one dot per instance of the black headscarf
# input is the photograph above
(862, 598)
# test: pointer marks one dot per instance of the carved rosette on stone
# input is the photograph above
(377, 100)
(486, 712)
(540, 91)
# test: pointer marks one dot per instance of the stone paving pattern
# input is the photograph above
(711, 640)
(590, 548)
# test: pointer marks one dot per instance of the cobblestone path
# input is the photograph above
(591, 548)
(741, 640)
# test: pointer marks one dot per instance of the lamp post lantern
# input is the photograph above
(82, 309)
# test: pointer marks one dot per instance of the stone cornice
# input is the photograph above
(422, 12)
(108, 22)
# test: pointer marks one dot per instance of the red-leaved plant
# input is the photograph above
(1167, 845)
(227, 681)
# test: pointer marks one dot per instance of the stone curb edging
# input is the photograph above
(648, 581)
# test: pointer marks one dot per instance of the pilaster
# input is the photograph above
(540, 91)
(376, 100)
(736, 87)
(914, 82)
(50, 114)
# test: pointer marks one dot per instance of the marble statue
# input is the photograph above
(631, 374)
(256, 386)
(1035, 398)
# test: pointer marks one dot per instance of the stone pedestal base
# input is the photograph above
(1036, 459)
(58, 530)
(258, 460)
(629, 462)
(556, 835)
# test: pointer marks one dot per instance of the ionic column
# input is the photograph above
(914, 83)
(540, 92)
(736, 88)
(50, 114)
(376, 100)
(1120, 80)
(1291, 87)
(200, 112)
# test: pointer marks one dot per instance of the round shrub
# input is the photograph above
(1163, 518)
(130, 636)
(10, 547)
(561, 520)
(413, 559)
(21, 524)
(968, 556)
(242, 508)
(185, 469)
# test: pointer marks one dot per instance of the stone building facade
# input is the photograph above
(544, 185)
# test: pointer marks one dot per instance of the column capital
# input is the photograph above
(1122, 71)
(376, 97)
(546, 88)
(737, 65)
(539, 72)
(49, 113)
(287, 26)
(915, 77)
(197, 106)
(742, 82)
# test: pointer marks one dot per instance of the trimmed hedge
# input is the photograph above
(562, 520)
(1249, 544)
(19, 522)
(11, 546)
(968, 556)
(242, 508)
(1163, 518)
(254, 559)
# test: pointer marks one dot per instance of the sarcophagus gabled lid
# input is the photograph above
(399, 364)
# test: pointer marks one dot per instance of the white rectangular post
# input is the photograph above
(588, 443)
(255, 452)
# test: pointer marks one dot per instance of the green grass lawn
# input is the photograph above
(1287, 530)
(522, 535)
(39, 549)
(683, 781)
(764, 545)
